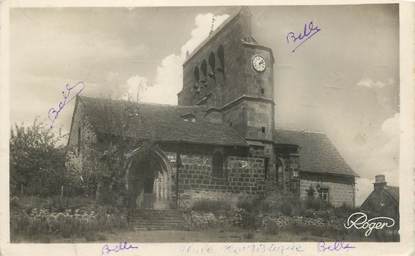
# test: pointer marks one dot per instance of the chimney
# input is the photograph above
(380, 182)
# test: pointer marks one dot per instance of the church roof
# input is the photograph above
(159, 122)
(317, 153)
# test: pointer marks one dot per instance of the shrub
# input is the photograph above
(316, 204)
(249, 203)
(286, 208)
(70, 223)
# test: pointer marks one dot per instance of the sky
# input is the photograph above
(343, 82)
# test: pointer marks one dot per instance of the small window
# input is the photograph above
(217, 164)
(323, 194)
(189, 118)
(263, 129)
(262, 91)
(295, 174)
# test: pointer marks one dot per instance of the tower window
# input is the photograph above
(221, 56)
(217, 164)
(196, 74)
(212, 61)
(204, 68)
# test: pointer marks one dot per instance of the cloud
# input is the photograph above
(169, 77)
(369, 83)
(203, 24)
(381, 154)
(364, 187)
(136, 86)
(391, 126)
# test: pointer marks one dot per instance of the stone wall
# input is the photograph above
(241, 175)
(82, 143)
(339, 192)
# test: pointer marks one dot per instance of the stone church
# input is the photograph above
(220, 141)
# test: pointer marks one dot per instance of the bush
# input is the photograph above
(69, 223)
(207, 205)
(316, 204)
(286, 208)
(343, 211)
(249, 203)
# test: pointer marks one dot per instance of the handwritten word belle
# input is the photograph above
(123, 246)
(299, 38)
(68, 96)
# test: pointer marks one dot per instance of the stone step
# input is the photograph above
(150, 219)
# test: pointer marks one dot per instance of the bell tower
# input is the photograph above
(232, 75)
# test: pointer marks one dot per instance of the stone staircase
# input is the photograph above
(150, 219)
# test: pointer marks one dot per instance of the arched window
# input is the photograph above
(221, 56)
(212, 61)
(196, 74)
(217, 164)
(204, 67)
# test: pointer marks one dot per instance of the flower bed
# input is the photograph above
(70, 223)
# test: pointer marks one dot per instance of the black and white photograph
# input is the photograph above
(205, 124)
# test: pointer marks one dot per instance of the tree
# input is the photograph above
(36, 160)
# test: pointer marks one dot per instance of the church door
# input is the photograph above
(148, 196)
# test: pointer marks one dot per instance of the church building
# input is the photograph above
(221, 140)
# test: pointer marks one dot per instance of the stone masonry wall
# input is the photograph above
(338, 193)
(241, 175)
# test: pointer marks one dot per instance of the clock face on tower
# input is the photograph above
(258, 63)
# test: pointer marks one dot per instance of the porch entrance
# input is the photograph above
(150, 181)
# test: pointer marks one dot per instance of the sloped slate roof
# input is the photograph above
(316, 152)
(393, 192)
(158, 122)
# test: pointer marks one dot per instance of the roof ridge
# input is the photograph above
(143, 103)
(302, 131)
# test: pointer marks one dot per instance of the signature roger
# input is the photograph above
(123, 246)
(69, 94)
(310, 29)
(359, 220)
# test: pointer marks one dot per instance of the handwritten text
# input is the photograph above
(359, 220)
(123, 246)
(69, 94)
(334, 247)
(299, 38)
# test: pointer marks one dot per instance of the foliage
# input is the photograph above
(52, 203)
(70, 223)
(316, 204)
(36, 160)
(207, 205)
(249, 209)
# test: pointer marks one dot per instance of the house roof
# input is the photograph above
(393, 192)
(159, 122)
(317, 153)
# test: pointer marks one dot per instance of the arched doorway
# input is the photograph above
(149, 179)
